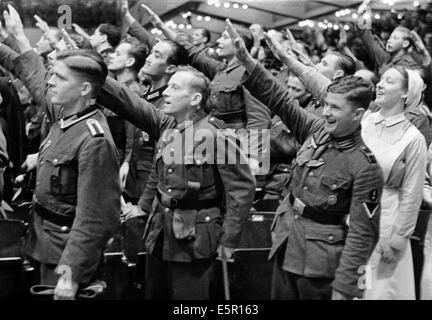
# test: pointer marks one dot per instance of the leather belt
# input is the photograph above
(58, 219)
(315, 215)
(187, 204)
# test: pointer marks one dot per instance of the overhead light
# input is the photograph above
(189, 13)
(336, 27)
(154, 31)
(207, 18)
(181, 26)
(184, 15)
(377, 16)
(330, 25)
(337, 14)
(174, 26)
(236, 6)
(199, 18)
(217, 4)
(355, 16)
(227, 5)
(245, 6)
(416, 3)
(189, 27)
(346, 27)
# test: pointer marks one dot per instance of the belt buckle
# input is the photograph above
(298, 205)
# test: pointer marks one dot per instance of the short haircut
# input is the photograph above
(358, 91)
(345, 63)
(406, 34)
(138, 51)
(179, 55)
(200, 83)
(112, 32)
(89, 64)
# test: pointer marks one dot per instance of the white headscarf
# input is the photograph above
(415, 89)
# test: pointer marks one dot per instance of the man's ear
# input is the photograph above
(358, 114)
(86, 88)
(339, 73)
(405, 44)
(171, 69)
(104, 38)
(196, 99)
(130, 62)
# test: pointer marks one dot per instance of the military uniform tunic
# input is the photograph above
(188, 233)
(332, 177)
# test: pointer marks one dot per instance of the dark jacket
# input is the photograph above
(333, 177)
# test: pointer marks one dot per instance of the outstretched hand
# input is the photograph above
(240, 50)
(71, 44)
(13, 22)
(41, 24)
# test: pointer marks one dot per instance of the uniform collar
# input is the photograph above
(389, 121)
(348, 141)
(154, 95)
(233, 66)
(193, 118)
(77, 117)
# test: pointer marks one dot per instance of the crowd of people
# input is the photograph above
(103, 127)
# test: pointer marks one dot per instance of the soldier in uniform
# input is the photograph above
(77, 196)
(202, 203)
(316, 247)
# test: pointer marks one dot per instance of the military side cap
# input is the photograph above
(95, 128)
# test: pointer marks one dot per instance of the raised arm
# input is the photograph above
(127, 104)
(271, 93)
(312, 79)
(135, 29)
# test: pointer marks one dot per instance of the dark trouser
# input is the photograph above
(291, 286)
(178, 280)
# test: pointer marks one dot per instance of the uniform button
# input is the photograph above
(198, 162)
(170, 170)
(55, 161)
(64, 229)
(214, 96)
(38, 183)
(330, 238)
(214, 109)
(311, 174)
(207, 219)
(211, 119)
(167, 210)
(169, 190)
(217, 82)
(321, 159)
(305, 188)
(49, 142)
(42, 162)
(172, 149)
(296, 216)
(334, 187)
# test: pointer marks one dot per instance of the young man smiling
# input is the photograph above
(317, 251)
